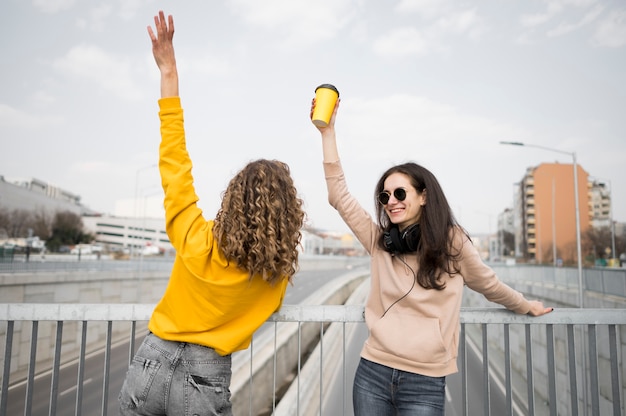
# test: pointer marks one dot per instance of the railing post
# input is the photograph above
(551, 369)
(487, 387)
(615, 382)
(54, 384)
(463, 355)
(30, 384)
(529, 371)
(107, 366)
(8, 349)
(81, 370)
(593, 371)
(507, 370)
(573, 385)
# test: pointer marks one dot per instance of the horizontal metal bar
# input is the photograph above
(299, 313)
(559, 316)
(75, 312)
(319, 313)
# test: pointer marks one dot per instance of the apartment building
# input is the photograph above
(545, 212)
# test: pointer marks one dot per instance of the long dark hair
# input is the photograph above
(437, 223)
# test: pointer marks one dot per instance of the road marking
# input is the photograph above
(493, 377)
(71, 389)
(74, 361)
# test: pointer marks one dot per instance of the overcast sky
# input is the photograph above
(437, 82)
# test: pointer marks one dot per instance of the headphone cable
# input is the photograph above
(407, 293)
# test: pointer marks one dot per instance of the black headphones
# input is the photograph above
(406, 242)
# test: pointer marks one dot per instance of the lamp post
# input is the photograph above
(576, 205)
(613, 253)
(135, 211)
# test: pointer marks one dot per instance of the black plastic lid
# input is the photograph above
(329, 86)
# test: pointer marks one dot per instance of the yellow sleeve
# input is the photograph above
(188, 231)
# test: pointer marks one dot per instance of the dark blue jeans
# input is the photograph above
(384, 391)
(176, 378)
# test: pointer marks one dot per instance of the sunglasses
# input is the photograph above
(398, 193)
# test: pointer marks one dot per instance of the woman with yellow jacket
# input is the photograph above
(229, 275)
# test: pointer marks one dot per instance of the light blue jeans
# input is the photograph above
(384, 391)
(176, 378)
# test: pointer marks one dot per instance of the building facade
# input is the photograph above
(34, 194)
(600, 203)
(546, 214)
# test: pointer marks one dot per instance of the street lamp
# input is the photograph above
(135, 210)
(612, 224)
(576, 203)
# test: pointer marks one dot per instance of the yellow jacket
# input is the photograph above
(207, 300)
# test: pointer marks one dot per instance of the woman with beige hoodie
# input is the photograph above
(420, 260)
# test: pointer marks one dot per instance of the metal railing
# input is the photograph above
(567, 362)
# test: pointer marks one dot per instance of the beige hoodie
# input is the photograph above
(420, 332)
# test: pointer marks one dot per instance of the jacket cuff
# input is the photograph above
(169, 103)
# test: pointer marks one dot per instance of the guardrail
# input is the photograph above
(575, 355)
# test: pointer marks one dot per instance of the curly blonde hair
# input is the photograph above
(258, 225)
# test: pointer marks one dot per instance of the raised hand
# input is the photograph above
(163, 51)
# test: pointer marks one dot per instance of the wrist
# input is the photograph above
(327, 132)
(168, 72)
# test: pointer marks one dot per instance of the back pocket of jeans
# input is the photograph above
(139, 379)
(207, 395)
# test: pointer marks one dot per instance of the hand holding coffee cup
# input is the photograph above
(326, 96)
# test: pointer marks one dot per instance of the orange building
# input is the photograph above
(547, 212)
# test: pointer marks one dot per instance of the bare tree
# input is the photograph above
(596, 242)
(41, 224)
(18, 223)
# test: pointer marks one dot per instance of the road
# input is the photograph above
(306, 282)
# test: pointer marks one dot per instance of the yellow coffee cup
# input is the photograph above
(326, 96)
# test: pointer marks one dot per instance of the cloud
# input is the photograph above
(553, 8)
(128, 8)
(611, 31)
(53, 6)
(410, 120)
(96, 18)
(565, 28)
(92, 166)
(433, 37)
(425, 8)
(400, 42)
(42, 97)
(297, 25)
(466, 22)
(12, 117)
(111, 73)
(199, 63)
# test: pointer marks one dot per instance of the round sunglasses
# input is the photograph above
(398, 193)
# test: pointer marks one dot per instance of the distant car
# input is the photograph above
(151, 250)
(64, 249)
(84, 249)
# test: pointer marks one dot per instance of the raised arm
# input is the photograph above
(163, 51)
(329, 140)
